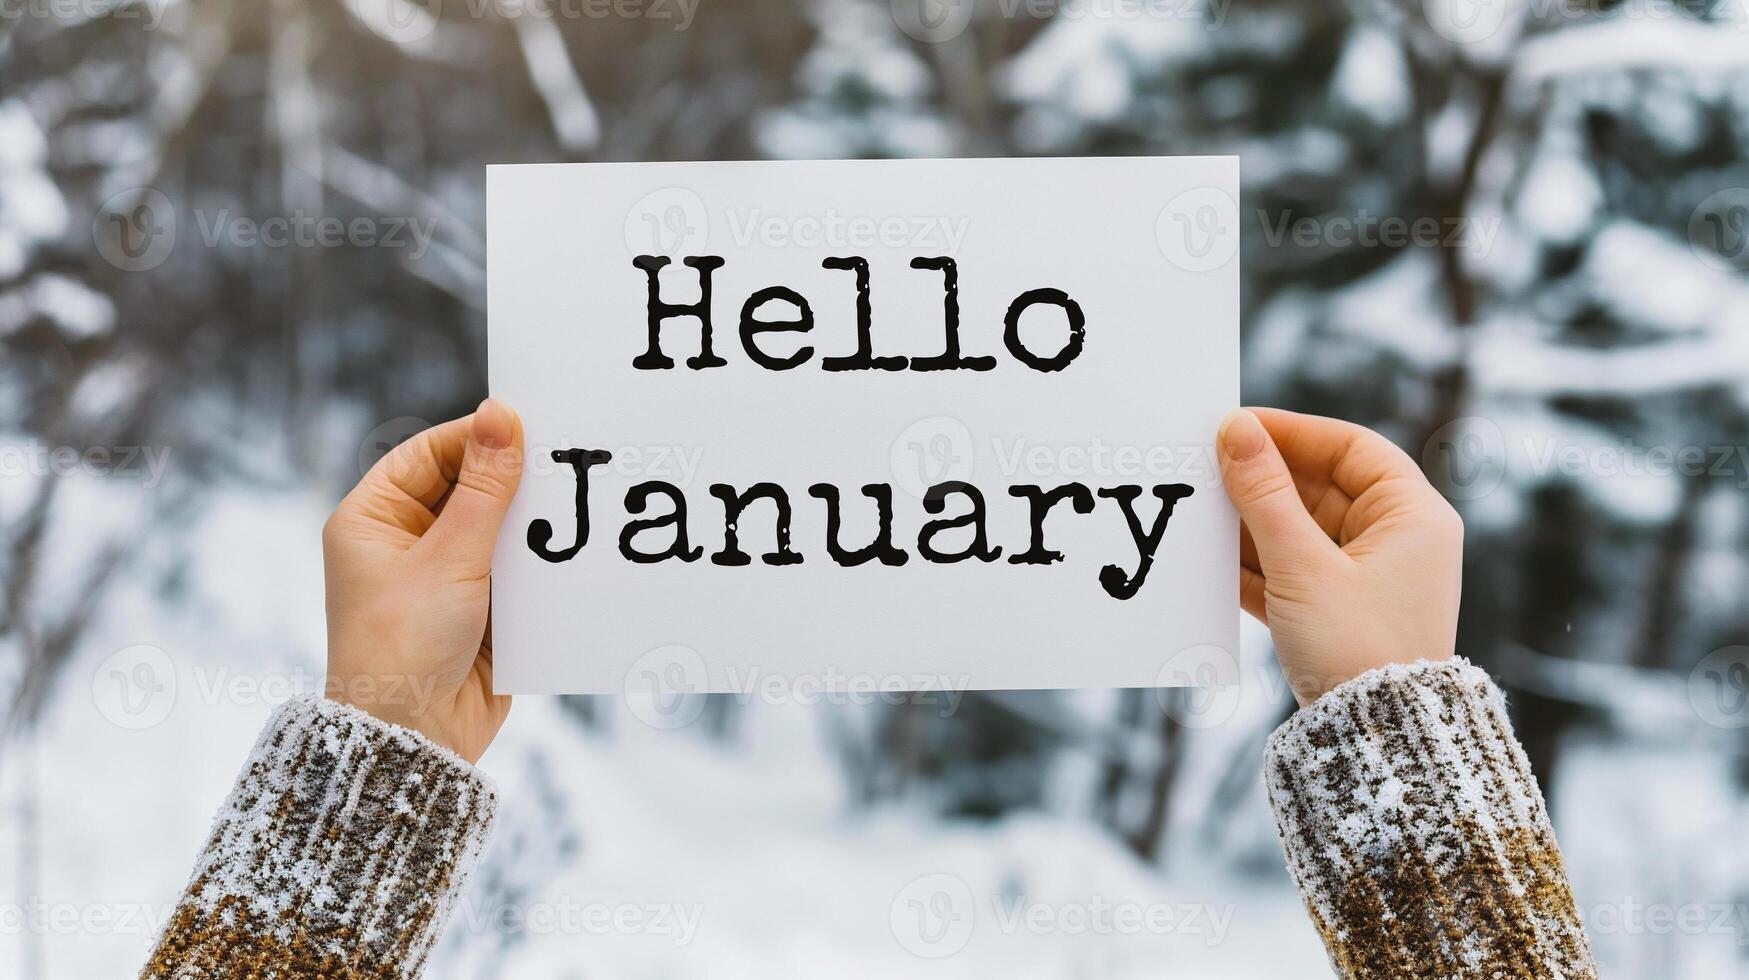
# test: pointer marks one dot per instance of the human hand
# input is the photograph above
(408, 561)
(1346, 552)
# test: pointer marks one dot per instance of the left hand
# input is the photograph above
(1346, 552)
(408, 562)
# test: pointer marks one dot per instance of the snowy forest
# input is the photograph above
(1512, 235)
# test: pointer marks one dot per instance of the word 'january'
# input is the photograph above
(971, 509)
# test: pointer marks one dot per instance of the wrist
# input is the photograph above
(1311, 681)
(401, 701)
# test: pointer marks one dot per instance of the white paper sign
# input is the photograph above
(967, 344)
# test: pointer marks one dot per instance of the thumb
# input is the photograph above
(466, 532)
(1262, 489)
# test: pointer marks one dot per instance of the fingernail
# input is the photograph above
(1241, 435)
(494, 424)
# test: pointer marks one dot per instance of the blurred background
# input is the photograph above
(1510, 234)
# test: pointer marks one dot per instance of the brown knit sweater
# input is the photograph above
(1417, 834)
(1409, 816)
(337, 856)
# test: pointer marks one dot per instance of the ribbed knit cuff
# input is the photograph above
(1417, 833)
(339, 854)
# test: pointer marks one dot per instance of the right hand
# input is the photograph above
(1349, 556)
(408, 560)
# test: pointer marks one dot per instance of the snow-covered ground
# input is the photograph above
(634, 853)
(640, 853)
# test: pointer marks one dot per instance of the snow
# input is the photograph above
(1082, 65)
(1642, 277)
(1371, 76)
(80, 310)
(1623, 44)
(1394, 308)
(32, 210)
(1484, 31)
(752, 850)
(753, 841)
(1509, 357)
(858, 47)
(107, 388)
(1448, 139)
(1651, 280)
(1297, 153)
(575, 120)
(787, 882)
(857, 39)
(1560, 198)
(1619, 476)
(1660, 887)
(1081, 69)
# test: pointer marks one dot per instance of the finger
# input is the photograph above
(491, 469)
(1261, 488)
(1371, 480)
(1251, 595)
(1328, 507)
(406, 486)
(1248, 550)
(486, 641)
(497, 705)
(1352, 458)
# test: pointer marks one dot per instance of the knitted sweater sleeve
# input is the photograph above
(1417, 834)
(338, 854)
